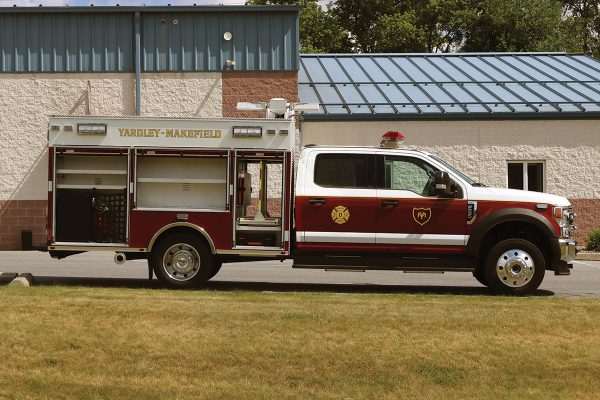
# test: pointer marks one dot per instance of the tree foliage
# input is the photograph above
(320, 31)
(381, 26)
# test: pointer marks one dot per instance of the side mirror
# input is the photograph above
(444, 186)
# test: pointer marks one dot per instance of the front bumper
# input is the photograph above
(568, 249)
(564, 251)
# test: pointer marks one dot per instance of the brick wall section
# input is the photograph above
(256, 87)
(18, 215)
(588, 217)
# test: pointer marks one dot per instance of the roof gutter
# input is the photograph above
(451, 116)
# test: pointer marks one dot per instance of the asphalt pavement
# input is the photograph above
(98, 269)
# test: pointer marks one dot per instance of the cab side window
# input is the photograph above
(408, 173)
(344, 170)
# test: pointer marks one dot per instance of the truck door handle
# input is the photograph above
(389, 203)
(316, 202)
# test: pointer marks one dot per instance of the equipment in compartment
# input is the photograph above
(109, 218)
(92, 216)
(91, 198)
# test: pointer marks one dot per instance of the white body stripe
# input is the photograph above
(382, 238)
(422, 239)
(339, 237)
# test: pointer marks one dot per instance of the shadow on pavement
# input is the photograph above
(277, 287)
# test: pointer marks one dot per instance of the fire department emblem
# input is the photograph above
(340, 215)
(421, 215)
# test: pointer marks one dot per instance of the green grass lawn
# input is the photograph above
(69, 342)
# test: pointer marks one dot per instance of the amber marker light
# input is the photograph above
(558, 212)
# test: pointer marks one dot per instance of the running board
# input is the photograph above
(384, 263)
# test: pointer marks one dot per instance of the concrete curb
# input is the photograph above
(588, 256)
(23, 280)
(7, 277)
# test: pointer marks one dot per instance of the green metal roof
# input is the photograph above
(450, 86)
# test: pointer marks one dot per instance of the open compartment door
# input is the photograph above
(259, 200)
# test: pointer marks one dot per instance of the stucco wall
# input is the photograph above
(189, 94)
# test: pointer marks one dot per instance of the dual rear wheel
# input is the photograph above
(181, 260)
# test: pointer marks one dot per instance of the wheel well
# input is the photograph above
(188, 230)
(515, 229)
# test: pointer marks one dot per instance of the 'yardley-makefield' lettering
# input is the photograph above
(172, 133)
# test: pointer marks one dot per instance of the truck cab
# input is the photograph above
(400, 209)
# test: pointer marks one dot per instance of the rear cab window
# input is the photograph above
(342, 170)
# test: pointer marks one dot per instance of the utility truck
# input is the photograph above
(189, 194)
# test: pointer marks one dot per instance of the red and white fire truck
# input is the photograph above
(190, 194)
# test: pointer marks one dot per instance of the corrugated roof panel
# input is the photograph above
(333, 68)
(422, 85)
(373, 94)
(438, 95)
(407, 66)
(353, 69)
(459, 93)
(194, 41)
(391, 70)
(586, 65)
(77, 39)
(429, 70)
(558, 67)
(372, 69)
(63, 42)
(416, 93)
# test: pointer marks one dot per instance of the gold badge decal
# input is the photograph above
(421, 215)
(340, 215)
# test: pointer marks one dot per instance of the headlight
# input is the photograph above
(565, 219)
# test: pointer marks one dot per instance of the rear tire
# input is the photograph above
(182, 261)
(514, 266)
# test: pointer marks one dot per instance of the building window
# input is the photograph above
(526, 175)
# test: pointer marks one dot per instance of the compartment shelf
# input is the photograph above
(91, 171)
(180, 180)
(107, 187)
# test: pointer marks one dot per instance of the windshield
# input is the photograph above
(454, 170)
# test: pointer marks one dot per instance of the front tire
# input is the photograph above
(480, 276)
(514, 266)
(182, 261)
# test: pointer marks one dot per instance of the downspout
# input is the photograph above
(138, 65)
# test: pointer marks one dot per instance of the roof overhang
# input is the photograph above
(451, 116)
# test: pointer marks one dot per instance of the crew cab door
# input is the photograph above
(336, 202)
(411, 218)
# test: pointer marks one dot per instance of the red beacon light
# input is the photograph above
(391, 140)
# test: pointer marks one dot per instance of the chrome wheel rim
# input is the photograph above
(181, 262)
(515, 268)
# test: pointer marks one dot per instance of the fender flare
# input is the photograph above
(508, 215)
(182, 225)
